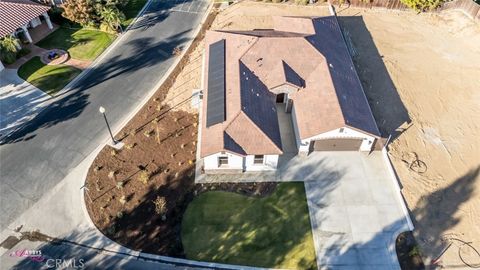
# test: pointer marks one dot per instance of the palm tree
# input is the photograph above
(113, 17)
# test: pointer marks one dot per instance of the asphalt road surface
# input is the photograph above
(37, 157)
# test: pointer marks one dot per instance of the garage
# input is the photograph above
(337, 144)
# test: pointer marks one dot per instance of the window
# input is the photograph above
(341, 130)
(222, 161)
(258, 159)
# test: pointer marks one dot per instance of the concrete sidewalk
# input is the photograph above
(19, 101)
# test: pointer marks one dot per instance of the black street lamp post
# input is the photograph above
(102, 111)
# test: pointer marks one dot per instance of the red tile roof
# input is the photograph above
(16, 13)
(307, 54)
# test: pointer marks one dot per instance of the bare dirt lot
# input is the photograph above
(421, 74)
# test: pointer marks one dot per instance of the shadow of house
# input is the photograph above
(387, 107)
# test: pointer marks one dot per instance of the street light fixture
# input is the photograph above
(102, 111)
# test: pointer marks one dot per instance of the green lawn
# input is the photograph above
(273, 231)
(82, 44)
(49, 79)
(131, 10)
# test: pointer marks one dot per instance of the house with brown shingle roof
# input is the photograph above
(302, 63)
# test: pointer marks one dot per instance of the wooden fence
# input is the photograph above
(388, 4)
(469, 7)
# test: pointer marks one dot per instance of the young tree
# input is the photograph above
(112, 17)
(80, 11)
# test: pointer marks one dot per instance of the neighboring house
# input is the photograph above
(18, 16)
(303, 63)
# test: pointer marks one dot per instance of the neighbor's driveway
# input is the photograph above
(19, 101)
(355, 212)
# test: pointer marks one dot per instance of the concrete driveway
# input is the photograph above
(19, 101)
(355, 211)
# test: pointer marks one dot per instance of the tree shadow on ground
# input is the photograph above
(388, 109)
(63, 109)
(445, 202)
(141, 53)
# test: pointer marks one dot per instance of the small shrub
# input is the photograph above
(111, 174)
(180, 163)
(415, 251)
(182, 145)
(120, 185)
(133, 132)
(302, 2)
(190, 162)
(113, 152)
(130, 146)
(111, 230)
(422, 5)
(144, 177)
(177, 51)
(160, 206)
(148, 133)
(123, 200)
(119, 214)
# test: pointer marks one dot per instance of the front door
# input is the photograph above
(280, 98)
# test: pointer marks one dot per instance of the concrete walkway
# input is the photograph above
(19, 101)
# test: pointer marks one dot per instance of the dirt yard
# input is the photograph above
(422, 78)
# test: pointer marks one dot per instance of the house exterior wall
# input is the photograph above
(35, 22)
(270, 162)
(304, 145)
(236, 163)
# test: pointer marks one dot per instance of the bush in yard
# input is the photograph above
(9, 47)
(22, 52)
(301, 2)
(144, 177)
(112, 17)
(161, 206)
(422, 5)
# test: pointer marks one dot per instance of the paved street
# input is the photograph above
(37, 157)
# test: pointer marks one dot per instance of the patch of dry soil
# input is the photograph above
(421, 74)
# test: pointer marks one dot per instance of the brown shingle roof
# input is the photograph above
(305, 53)
(16, 13)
